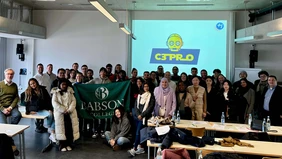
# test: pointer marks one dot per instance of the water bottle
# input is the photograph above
(263, 125)
(200, 156)
(159, 152)
(178, 117)
(268, 124)
(250, 120)
(157, 123)
(173, 116)
(222, 118)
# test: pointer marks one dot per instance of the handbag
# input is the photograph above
(256, 125)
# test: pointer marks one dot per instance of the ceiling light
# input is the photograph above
(247, 38)
(103, 7)
(274, 33)
(133, 36)
(183, 5)
(124, 28)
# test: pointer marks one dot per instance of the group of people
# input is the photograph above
(158, 93)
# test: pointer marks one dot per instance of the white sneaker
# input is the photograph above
(52, 137)
(131, 152)
(63, 149)
(139, 150)
(69, 148)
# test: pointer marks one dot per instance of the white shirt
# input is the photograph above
(50, 78)
(172, 85)
(6, 82)
(43, 80)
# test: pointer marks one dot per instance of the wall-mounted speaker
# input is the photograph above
(254, 55)
(20, 48)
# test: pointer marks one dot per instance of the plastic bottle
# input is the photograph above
(200, 156)
(157, 123)
(159, 152)
(173, 117)
(263, 125)
(250, 119)
(222, 118)
(178, 117)
(268, 123)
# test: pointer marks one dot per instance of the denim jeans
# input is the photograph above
(51, 121)
(139, 126)
(120, 141)
(15, 116)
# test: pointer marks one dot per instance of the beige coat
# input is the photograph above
(61, 103)
(201, 102)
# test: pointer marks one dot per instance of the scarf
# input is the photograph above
(144, 99)
(161, 92)
(261, 86)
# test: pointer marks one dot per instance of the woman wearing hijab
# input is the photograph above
(66, 121)
(199, 97)
(247, 100)
(165, 100)
(144, 107)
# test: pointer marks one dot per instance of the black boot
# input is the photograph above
(39, 126)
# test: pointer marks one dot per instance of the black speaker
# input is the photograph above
(254, 55)
(20, 48)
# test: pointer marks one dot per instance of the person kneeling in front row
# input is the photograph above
(120, 129)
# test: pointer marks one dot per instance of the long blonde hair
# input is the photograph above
(28, 91)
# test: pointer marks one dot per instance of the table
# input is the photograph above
(12, 130)
(260, 148)
(227, 127)
(39, 115)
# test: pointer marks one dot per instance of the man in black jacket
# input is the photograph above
(271, 102)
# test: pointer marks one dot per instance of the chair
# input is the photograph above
(197, 132)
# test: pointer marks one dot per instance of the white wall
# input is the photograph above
(85, 37)
(269, 55)
(16, 64)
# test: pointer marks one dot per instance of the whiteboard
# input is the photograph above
(252, 74)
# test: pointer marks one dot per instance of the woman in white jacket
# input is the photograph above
(66, 121)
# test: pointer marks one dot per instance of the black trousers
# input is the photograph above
(68, 132)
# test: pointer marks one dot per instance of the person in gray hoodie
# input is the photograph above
(120, 129)
(102, 79)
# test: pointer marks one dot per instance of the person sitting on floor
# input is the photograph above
(36, 98)
(120, 129)
(66, 120)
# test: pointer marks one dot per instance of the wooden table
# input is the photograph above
(227, 127)
(12, 130)
(260, 148)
